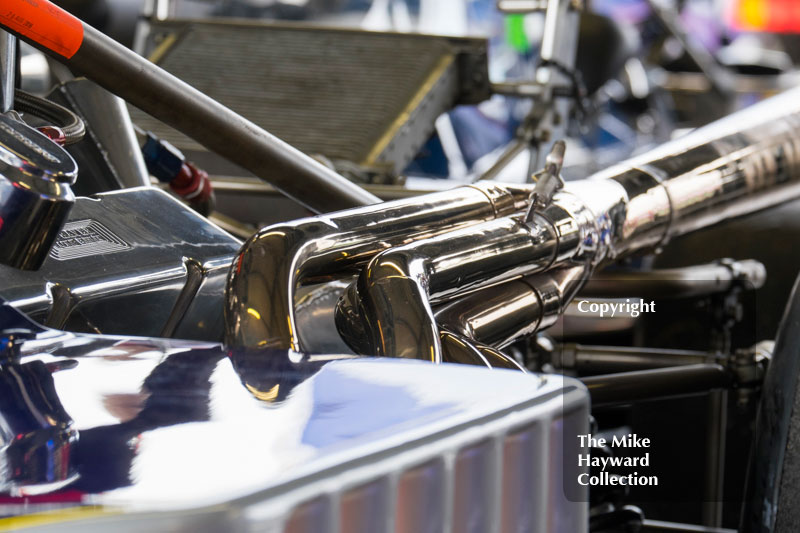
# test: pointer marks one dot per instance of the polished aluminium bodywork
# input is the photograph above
(173, 435)
(743, 163)
(260, 296)
(35, 195)
(130, 262)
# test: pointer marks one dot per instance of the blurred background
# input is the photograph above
(440, 92)
(620, 76)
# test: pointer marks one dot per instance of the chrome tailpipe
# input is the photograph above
(264, 278)
(497, 316)
(743, 163)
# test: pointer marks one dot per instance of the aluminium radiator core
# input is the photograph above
(368, 98)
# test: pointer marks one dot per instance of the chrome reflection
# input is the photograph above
(161, 424)
(38, 436)
(745, 162)
(35, 194)
(274, 263)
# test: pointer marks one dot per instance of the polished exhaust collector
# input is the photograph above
(275, 262)
(743, 163)
(498, 316)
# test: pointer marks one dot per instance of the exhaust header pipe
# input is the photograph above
(740, 164)
(272, 264)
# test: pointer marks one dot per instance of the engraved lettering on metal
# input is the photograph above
(83, 238)
(28, 143)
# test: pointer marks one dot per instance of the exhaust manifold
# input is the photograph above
(496, 272)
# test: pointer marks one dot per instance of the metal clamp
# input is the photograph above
(548, 181)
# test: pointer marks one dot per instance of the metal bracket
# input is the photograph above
(548, 180)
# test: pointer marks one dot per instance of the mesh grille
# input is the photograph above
(332, 92)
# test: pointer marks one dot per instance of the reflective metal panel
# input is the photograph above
(121, 265)
(177, 434)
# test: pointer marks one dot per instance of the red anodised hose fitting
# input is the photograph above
(192, 184)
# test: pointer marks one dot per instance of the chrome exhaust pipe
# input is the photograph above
(743, 163)
(498, 316)
(459, 349)
(392, 297)
(272, 264)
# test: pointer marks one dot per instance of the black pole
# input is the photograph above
(627, 387)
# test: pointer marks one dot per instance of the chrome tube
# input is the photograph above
(743, 163)
(740, 164)
(8, 70)
(388, 312)
(458, 349)
(394, 293)
(497, 316)
(315, 308)
(500, 315)
(261, 288)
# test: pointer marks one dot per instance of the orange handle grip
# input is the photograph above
(45, 23)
